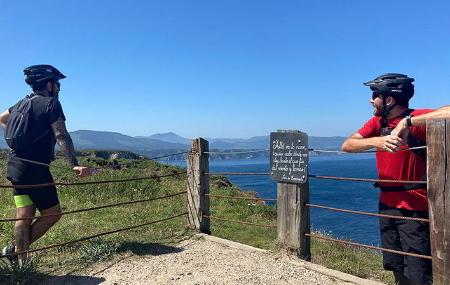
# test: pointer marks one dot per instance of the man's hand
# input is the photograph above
(390, 143)
(401, 130)
(82, 171)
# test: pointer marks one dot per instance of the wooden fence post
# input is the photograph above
(198, 186)
(293, 218)
(438, 158)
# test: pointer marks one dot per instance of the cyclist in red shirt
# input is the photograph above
(392, 128)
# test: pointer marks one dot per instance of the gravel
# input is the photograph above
(204, 261)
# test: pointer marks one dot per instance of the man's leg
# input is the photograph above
(415, 238)
(401, 279)
(390, 239)
(42, 225)
(47, 202)
(22, 232)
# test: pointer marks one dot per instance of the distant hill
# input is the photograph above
(165, 143)
(170, 137)
(85, 139)
(257, 142)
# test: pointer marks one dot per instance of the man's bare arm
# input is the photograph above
(4, 119)
(64, 141)
(441, 113)
(401, 129)
(357, 143)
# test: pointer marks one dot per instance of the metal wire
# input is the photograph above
(367, 179)
(35, 162)
(240, 198)
(90, 182)
(238, 173)
(236, 152)
(368, 246)
(94, 208)
(313, 150)
(239, 222)
(328, 151)
(93, 236)
(66, 167)
(168, 155)
(367, 213)
(323, 177)
(367, 151)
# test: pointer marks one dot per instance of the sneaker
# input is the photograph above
(10, 249)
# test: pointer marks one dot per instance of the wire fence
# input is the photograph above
(42, 185)
(367, 246)
(168, 155)
(323, 207)
(240, 222)
(314, 150)
(420, 183)
(368, 179)
(31, 186)
(373, 180)
(367, 213)
(94, 208)
(66, 167)
(241, 198)
(92, 236)
(215, 196)
(237, 152)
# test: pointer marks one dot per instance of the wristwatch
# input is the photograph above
(408, 120)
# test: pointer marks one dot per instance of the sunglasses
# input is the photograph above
(57, 83)
(375, 95)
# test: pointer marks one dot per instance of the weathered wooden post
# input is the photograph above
(438, 159)
(293, 218)
(198, 186)
(289, 166)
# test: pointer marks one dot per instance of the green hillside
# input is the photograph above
(154, 238)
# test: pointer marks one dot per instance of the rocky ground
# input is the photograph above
(205, 260)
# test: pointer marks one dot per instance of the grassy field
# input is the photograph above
(155, 237)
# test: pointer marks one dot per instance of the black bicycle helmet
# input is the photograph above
(393, 84)
(38, 74)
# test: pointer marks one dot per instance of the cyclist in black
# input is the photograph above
(47, 127)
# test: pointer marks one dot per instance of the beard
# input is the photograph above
(377, 111)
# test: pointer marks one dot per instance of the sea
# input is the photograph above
(360, 196)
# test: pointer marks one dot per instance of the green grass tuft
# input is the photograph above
(14, 274)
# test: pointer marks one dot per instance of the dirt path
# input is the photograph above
(207, 261)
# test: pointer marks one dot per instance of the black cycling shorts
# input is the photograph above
(43, 197)
(407, 236)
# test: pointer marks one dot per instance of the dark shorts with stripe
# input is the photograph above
(43, 197)
(407, 236)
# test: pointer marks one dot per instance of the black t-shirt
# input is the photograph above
(46, 111)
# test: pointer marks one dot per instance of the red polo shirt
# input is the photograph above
(400, 165)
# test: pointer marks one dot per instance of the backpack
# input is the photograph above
(18, 128)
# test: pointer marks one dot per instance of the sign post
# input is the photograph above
(289, 166)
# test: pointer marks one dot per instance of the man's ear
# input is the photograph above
(390, 101)
(49, 86)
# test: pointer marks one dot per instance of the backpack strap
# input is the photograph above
(412, 142)
(41, 136)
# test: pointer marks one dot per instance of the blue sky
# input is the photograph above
(224, 68)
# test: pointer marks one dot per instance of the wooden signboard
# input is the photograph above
(289, 156)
